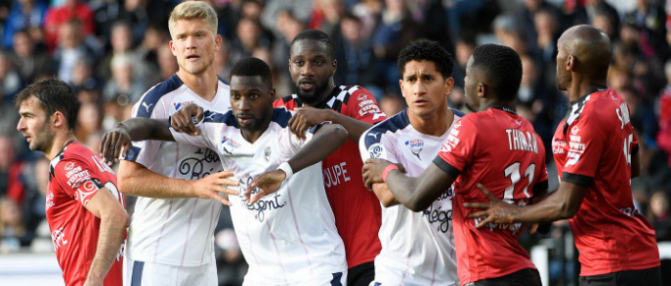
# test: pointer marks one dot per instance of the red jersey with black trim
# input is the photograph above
(76, 175)
(500, 150)
(592, 148)
(357, 210)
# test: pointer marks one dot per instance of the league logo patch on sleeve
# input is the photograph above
(376, 151)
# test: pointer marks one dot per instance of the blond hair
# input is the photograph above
(194, 10)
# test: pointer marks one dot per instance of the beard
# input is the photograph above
(320, 88)
(42, 139)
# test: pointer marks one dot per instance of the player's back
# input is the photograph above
(76, 174)
(500, 150)
(593, 147)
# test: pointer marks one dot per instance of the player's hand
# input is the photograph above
(372, 171)
(267, 183)
(115, 144)
(210, 187)
(185, 119)
(306, 117)
(496, 211)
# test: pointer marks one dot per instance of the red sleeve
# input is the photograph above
(543, 174)
(586, 146)
(458, 150)
(362, 106)
(77, 178)
(285, 102)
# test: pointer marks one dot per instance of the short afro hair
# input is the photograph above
(502, 67)
(253, 67)
(319, 36)
(425, 50)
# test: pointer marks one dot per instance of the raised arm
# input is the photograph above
(118, 141)
(307, 117)
(414, 193)
(326, 140)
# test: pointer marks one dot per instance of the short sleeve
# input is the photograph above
(362, 106)
(374, 144)
(459, 148)
(144, 152)
(78, 178)
(586, 145)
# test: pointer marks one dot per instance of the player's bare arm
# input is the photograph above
(562, 204)
(118, 141)
(184, 119)
(384, 194)
(306, 117)
(113, 221)
(414, 193)
(326, 140)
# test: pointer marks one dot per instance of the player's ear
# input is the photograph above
(570, 62)
(217, 43)
(172, 48)
(481, 90)
(271, 94)
(334, 66)
(57, 119)
(449, 84)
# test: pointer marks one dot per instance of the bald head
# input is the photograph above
(591, 49)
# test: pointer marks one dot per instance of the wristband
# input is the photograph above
(287, 170)
(387, 170)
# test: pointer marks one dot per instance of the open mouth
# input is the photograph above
(245, 119)
(192, 57)
(307, 85)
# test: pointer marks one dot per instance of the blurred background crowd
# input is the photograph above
(112, 51)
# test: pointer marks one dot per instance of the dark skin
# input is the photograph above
(582, 66)
(425, 91)
(312, 69)
(251, 101)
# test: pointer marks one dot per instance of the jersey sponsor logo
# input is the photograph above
(575, 130)
(228, 142)
(365, 102)
(623, 115)
(576, 149)
(416, 146)
(263, 205)
(376, 151)
(147, 106)
(58, 238)
(451, 141)
(456, 125)
(78, 178)
(72, 171)
(179, 105)
(267, 153)
(370, 108)
(201, 165)
(558, 146)
(69, 166)
(50, 200)
(439, 216)
(333, 175)
(361, 96)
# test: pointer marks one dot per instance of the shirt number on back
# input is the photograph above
(513, 172)
(627, 147)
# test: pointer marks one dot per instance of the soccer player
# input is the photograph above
(357, 211)
(595, 149)
(493, 146)
(288, 238)
(417, 247)
(85, 211)
(171, 239)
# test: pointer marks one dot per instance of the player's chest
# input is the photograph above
(246, 158)
(416, 152)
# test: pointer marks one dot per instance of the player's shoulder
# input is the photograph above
(227, 118)
(602, 108)
(145, 106)
(281, 116)
(222, 81)
(288, 101)
(390, 125)
(354, 93)
(73, 159)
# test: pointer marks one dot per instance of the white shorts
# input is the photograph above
(335, 279)
(140, 273)
(392, 277)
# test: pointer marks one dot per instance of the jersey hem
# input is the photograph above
(619, 269)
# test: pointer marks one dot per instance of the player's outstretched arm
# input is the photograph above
(414, 193)
(118, 141)
(562, 204)
(326, 140)
(113, 222)
(307, 117)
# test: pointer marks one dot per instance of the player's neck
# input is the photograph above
(60, 140)
(251, 135)
(581, 86)
(435, 125)
(204, 85)
(495, 103)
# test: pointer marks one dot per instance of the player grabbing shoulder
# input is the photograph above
(417, 246)
(85, 211)
(493, 146)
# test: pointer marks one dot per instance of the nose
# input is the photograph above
(419, 88)
(21, 126)
(307, 70)
(243, 104)
(190, 43)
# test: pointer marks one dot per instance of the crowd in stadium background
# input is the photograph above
(113, 51)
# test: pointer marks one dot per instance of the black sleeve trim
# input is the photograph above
(634, 150)
(540, 188)
(580, 180)
(446, 167)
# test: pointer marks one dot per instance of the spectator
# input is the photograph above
(392, 104)
(30, 61)
(604, 22)
(463, 50)
(659, 213)
(11, 183)
(25, 14)
(12, 230)
(358, 65)
(249, 37)
(121, 42)
(370, 13)
(89, 120)
(59, 16)
(594, 9)
(166, 62)
(664, 103)
(123, 86)
(71, 49)
(146, 55)
(526, 19)
(547, 28)
(326, 15)
(651, 18)
(83, 78)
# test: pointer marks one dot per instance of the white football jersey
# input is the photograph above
(417, 247)
(176, 231)
(288, 236)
